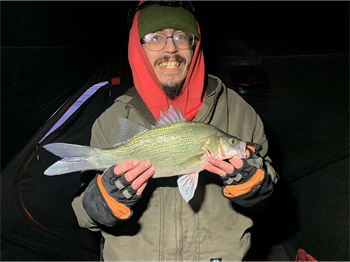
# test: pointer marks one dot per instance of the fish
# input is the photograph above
(174, 146)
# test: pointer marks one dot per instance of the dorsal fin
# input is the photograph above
(170, 116)
(128, 130)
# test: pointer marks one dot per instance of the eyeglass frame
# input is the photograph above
(195, 38)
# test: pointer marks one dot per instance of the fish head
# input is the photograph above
(225, 146)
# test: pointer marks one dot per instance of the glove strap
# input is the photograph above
(228, 180)
(121, 183)
(129, 192)
(119, 210)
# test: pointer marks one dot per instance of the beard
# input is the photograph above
(172, 88)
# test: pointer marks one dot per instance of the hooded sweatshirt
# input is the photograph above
(150, 88)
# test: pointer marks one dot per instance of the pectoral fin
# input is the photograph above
(187, 185)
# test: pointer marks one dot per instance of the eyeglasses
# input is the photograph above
(157, 41)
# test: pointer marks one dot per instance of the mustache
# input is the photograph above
(166, 58)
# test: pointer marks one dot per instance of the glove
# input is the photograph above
(249, 184)
(109, 197)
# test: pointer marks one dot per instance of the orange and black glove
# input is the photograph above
(250, 184)
(109, 197)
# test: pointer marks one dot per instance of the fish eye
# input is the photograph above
(232, 140)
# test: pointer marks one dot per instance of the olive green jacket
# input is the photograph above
(163, 226)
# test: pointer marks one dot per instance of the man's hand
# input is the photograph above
(246, 182)
(221, 167)
(110, 196)
(135, 173)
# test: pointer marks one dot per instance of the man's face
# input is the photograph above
(170, 64)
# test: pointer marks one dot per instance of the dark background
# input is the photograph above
(289, 60)
(49, 45)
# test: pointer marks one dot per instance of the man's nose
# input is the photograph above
(170, 47)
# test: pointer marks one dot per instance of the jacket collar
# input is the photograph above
(140, 107)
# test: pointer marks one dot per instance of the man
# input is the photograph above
(146, 219)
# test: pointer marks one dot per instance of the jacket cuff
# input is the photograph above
(97, 208)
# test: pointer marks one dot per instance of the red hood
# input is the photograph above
(148, 85)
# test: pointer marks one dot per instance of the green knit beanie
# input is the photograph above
(156, 17)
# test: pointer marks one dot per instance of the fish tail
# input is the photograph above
(74, 158)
